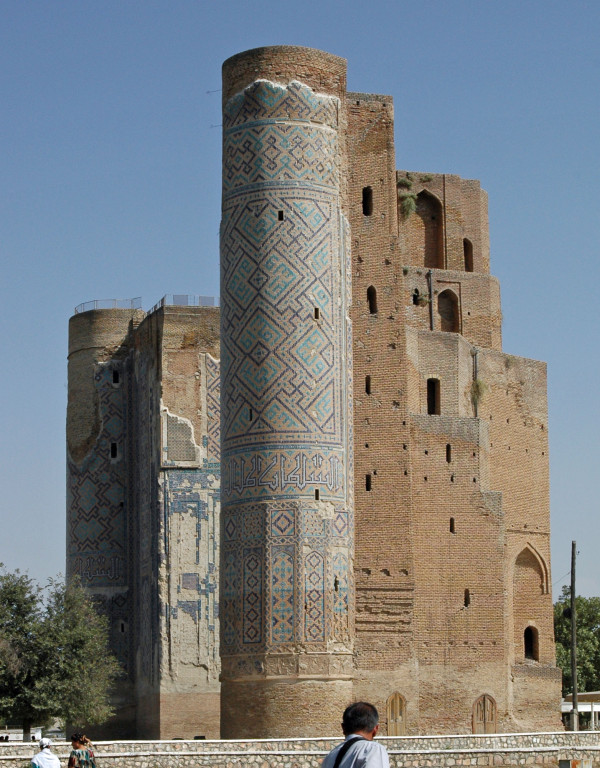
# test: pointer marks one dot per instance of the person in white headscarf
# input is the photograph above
(45, 758)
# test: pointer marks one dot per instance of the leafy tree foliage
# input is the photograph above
(587, 611)
(54, 657)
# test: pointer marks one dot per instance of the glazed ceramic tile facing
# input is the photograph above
(190, 510)
(213, 411)
(285, 362)
(97, 526)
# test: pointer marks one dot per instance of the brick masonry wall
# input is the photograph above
(497, 751)
(443, 541)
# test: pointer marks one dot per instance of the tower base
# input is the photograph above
(287, 708)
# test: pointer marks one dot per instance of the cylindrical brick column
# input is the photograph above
(96, 528)
(287, 598)
(98, 534)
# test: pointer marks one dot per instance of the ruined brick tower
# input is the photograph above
(433, 600)
(142, 504)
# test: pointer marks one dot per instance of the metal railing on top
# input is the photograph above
(109, 304)
(185, 300)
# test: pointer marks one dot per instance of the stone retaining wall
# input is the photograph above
(495, 751)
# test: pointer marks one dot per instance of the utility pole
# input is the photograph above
(574, 711)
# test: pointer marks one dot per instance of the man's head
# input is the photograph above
(45, 743)
(362, 718)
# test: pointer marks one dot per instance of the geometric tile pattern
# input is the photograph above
(284, 375)
(97, 518)
(340, 582)
(249, 160)
(213, 408)
(253, 591)
(314, 615)
(230, 589)
(282, 594)
(180, 446)
(281, 246)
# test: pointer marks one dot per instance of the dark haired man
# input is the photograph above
(360, 724)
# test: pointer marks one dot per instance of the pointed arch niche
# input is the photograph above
(530, 597)
(448, 312)
(396, 715)
(426, 231)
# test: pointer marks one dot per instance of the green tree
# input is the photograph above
(54, 657)
(588, 641)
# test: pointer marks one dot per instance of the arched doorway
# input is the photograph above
(396, 715)
(484, 715)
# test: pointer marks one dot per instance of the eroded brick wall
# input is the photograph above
(452, 549)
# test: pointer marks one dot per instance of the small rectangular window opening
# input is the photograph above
(367, 201)
(122, 627)
(317, 313)
(467, 599)
(452, 527)
(368, 385)
(368, 482)
(250, 414)
(280, 215)
(317, 494)
(433, 397)
(448, 453)
(113, 450)
(115, 376)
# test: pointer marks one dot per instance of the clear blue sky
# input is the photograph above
(110, 188)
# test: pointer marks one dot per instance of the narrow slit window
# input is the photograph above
(468, 254)
(372, 299)
(368, 385)
(317, 313)
(250, 414)
(317, 494)
(448, 453)
(433, 397)
(467, 598)
(416, 297)
(367, 482)
(115, 376)
(113, 450)
(452, 526)
(367, 201)
(122, 626)
(279, 215)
